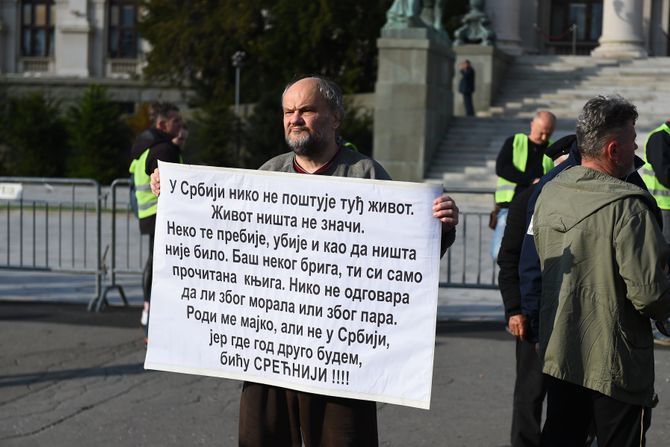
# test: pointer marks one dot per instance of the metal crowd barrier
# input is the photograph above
(66, 232)
(127, 254)
(37, 229)
(468, 263)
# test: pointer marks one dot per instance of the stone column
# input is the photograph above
(72, 51)
(622, 35)
(413, 99)
(504, 18)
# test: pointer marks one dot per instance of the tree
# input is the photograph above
(193, 42)
(34, 136)
(99, 139)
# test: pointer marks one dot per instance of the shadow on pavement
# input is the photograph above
(57, 376)
(75, 314)
(493, 330)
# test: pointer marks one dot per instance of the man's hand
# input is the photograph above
(517, 326)
(156, 183)
(445, 209)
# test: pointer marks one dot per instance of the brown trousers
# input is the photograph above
(273, 416)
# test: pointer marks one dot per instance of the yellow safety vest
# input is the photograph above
(146, 201)
(505, 188)
(660, 192)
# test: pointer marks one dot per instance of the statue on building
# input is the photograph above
(475, 27)
(415, 14)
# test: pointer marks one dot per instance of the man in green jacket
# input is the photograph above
(603, 261)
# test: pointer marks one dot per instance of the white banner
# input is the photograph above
(320, 284)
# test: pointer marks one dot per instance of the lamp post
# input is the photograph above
(238, 62)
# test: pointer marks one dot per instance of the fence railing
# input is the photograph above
(62, 225)
(468, 263)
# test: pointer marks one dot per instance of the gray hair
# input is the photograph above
(602, 118)
(329, 90)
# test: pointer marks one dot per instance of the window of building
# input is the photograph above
(37, 28)
(586, 15)
(123, 29)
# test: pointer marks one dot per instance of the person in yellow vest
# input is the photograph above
(150, 146)
(656, 175)
(520, 163)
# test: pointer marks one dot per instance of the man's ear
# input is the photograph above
(161, 124)
(612, 151)
(337, 122)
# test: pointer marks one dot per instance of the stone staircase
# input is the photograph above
(466, 157)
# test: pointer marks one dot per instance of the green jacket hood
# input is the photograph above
(589, 191)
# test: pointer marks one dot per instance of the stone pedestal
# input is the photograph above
(413, 99)
(73, 31)
(490, 65)
(622, 30)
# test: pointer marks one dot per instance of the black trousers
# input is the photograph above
(467, 103)
(571, 408)
(148, 273)
(529, 392)
(277, 417)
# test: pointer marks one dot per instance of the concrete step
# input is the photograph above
(562, 84)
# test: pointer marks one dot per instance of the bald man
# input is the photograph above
(269, 415)
(520, 163)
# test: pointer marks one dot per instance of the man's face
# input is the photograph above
(541, 129)
(172, 124)
(309, 124)
(180, 139)
(626, 147)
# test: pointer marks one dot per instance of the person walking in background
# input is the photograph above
(520, 163)
(656, 175)
(603, 260)
(529, 388)
(466, 86)
(150, 146)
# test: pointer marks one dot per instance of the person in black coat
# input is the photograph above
(529, 388)
(467, 86)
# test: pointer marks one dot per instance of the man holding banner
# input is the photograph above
(275, 415)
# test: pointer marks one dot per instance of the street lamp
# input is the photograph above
(238, 61)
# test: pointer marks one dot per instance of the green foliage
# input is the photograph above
(357, 128)
(264, 132)
(98, 138)
(213, 134)
(34, 136)
(193, 43)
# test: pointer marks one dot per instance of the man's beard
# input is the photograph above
(305, 143)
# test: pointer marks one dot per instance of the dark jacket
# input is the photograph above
(658, 155)
(467, 82)
(510, 253)
(534, 168)
(530, 273)
(162, 149)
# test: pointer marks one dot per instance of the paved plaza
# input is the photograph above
(69, 377)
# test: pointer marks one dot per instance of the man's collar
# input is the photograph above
(323, 169)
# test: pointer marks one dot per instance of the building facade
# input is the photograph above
(62, 45)
(608, 28)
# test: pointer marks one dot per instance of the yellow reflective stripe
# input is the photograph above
(656, 189)
(520, 151)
